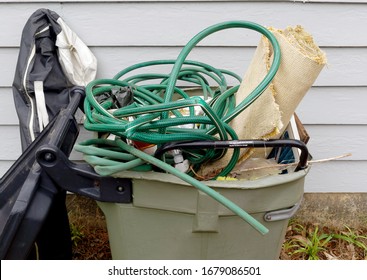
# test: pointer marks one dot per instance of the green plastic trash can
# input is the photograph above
(169, 219)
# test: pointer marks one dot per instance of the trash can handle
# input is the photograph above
(302, 164)
(282, 214)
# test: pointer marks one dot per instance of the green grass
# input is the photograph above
(353, 237)
(312, 244)
(309, 242)
(76, 234)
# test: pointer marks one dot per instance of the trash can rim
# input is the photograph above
(267, 181)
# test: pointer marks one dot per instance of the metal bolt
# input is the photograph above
(120, 188)
(49, 157)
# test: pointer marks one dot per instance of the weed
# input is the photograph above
(76, 234)
(352, 237)
(311, 244)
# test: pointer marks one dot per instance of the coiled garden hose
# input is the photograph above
(156, 116)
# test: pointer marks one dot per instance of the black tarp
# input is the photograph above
(39, 61)
(41, 88)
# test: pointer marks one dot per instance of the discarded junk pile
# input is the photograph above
(197, 162)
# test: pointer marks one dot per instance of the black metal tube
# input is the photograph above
(239, 144)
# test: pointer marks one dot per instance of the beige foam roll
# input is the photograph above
(301, 62)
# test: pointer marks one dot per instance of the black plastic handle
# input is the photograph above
(302, 164)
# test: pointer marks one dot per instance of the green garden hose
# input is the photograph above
(160, 113)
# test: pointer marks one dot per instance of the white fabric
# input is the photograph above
(31, 118)
(78, 62)
(41, 105)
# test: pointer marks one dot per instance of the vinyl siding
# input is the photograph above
(121, 33)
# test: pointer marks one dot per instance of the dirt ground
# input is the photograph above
(302, 241)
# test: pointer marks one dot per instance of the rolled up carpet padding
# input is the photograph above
(301, 62)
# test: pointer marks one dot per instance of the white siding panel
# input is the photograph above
(4, 166)
(11, 147)
(8, 114)
(325, 142)
(328, 141)
(8, 58)
(346, 67)
(171, 23)
(334, 176)
(345, 105)
(337, 176)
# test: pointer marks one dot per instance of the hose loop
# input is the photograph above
(156, 113)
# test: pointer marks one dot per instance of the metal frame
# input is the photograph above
(42, 172)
